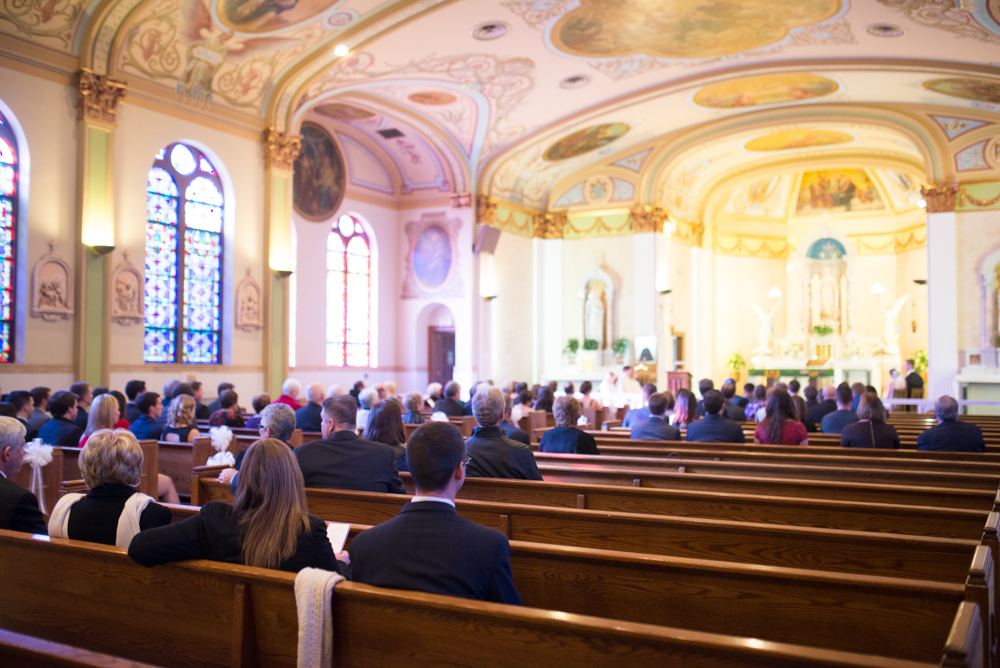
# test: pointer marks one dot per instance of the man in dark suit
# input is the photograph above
(949, 433)
(133, 389)
(828, 405)
(913, 380)
(342, 460)
(18, 507)
(714, 428)
(428, 547)
(84, 397)
(511, 431)
(147, 425)
(472, 395)
(201, 411)
(492, 454)
(25, 407)
(704, 385)
(310, 416)
(729, 409)
(656, 427)
(217, 404)
(636, 415)
(449, 405)
(61, 429)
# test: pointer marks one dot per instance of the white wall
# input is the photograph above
(511, 312)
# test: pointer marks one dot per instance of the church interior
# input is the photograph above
(420, 191)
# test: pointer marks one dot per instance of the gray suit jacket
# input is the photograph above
(655, 429)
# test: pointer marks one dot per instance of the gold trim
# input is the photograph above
(965, 196)
(98, 97)
(940, 198)
(549, 225)
(648, 219)
(280, 150)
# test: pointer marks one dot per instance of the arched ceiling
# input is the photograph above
(515, 97)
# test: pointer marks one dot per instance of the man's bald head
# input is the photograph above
(829, 393)
(315, 393)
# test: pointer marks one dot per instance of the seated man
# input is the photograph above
(259, 403)
(656, 428)
(729, 409)
(290, 390)
(147, 426)
(834, 423)
(133, 389)
(310, 416)
(636, 415)
(714, 428)
(491, 453)
(61, 429)
(18, 507)
(509, 429)
(428, 547)
(449, 405)
(25, 407)
(704, 385)
(342, 460)
(949, 433)
(822, 409)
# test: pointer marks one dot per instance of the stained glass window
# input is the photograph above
(348, 294)
(8, 222)
(184, 207)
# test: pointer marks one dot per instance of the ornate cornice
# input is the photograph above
(486, 210)
(940, 198)
(550, 225)
(648, 220)
(98, 97)
(281, 149)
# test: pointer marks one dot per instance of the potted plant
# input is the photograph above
(618, 347)
(823, 349)
(590, 354)
(920, 362)
(572, 345)
(590, 344)
(737, 364)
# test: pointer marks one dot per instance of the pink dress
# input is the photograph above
(792, 433)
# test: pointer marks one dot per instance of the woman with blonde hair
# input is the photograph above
(268, 524)
(104, 414)
(181, 427)
(112, 512)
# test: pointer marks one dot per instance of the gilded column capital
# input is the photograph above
(940, 197)
(281, 149)
(486, 210)
(648, 220)
(550, 225)
(98, 97)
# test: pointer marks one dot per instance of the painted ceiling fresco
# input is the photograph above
(513, 105)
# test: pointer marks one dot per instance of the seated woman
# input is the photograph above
(268, 525)
(545, 399)
(586, 387)
(779, 426)
(385, 425)
(104, 414)
(433, 394)
(685, 409)
(565, 437)
(870, 431)
(413, 403)
(521, 408)
(122, 409)
(229, 415)
(759, 402)
(112, 512)
(180, 421)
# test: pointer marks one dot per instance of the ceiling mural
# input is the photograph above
(269, 16)
(50, 22)
(903, 188)
(344, 112)
(318, 183)
(585, 141)
(836, 191)
(762, 198)
(972, 158)
(765, 89)
(980, 25)
(955, 127)
(979, 90)
(790, 139)
(635, 161)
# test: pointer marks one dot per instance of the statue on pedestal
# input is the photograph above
(890, 316)
(765, 328)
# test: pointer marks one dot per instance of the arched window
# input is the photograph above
(8, 221)
(348, 294)
(183, 258)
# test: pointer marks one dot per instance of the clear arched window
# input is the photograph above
(8, 222)
(183, 258)
(348, 294)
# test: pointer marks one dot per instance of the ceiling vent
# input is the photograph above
(885, 30)
(390, 133)
(490, 30)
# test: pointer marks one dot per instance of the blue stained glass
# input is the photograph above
(203, 190)
(7, 180)
(182, 160)
(7, 154)
(201, 347)
(160, 181)
(205, 166)
(161, 209)
(159, 344)
(8, 220)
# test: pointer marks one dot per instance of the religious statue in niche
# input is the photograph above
(431, 266)
(249, 300)
(765, 327)
(595, 314)
(52, 287)
(890, 324)
(127, 293)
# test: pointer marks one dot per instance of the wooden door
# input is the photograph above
(441, 361)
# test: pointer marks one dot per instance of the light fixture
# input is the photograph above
(666, 291)
(922, 203)
(774, 293)
(877, 289)
(283, 273)
(920, 281)
(101, 250)
(341, 50)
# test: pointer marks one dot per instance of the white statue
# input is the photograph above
(593, 321)
(890, 315)
(765, 328)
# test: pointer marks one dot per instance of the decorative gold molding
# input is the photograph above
(940, 198)
(281, 149)
(486, 210)
(965, 198)
(645, 220)
(98, 97)
(550, 225)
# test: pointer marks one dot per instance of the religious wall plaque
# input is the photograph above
(52, 287)
(432, 257)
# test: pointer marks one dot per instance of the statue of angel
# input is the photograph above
(765, 327)
(890, 326)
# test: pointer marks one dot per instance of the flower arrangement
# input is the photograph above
(619, 346)
(736, 362)
(590, 344)
(920, 360)
(822, 330)
(572, 346)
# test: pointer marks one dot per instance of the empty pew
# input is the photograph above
(17, 649)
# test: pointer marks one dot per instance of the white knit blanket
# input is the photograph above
(313, 600)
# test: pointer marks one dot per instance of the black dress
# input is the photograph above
(182, 433)
(869, 435)
(94, 518)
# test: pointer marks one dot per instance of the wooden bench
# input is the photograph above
(17, 649)
(211, 614)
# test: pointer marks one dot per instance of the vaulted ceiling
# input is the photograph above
(523, 99)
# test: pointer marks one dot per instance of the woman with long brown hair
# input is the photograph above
(385, 425)
(779, 425)
(268, 525)
(685, 407)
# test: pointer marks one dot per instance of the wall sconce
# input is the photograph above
(665, 292)
(489, 298)
(101, 250)
(913, 326)
(99, 234)
(283, 273)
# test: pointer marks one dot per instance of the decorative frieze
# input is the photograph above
(940, 198)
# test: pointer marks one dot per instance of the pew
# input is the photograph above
(177, 460)
(212, 614)
(17, 649)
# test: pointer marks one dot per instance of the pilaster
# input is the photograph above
(942, 288)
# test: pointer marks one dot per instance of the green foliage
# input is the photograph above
(920, 360)
(736, 362)
(619, 346)
(822, 330)
(590, 344)
(572, 346)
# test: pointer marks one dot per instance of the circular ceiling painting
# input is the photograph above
(260, 16)
(980, 90)
(585, 141)
(789, 139)
(318, 184)
(344, 112)
(432, 97)
(764, 89)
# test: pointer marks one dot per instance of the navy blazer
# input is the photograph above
(428, 547)
(733, 412)
(820, 410)
(655, 429)
(634, 417)
(345, 461)
(954, 436)
(309, 417)
(515, 434)
(568, 440)
(715, 429)
(61, 432)
(81, 418)
(493, 455)
(19, 509)
(132, 413)
(146, 428)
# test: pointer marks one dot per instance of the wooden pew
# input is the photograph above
(212, 614)
(177, 460)
(17, 649)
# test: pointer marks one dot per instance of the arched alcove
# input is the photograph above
(597, 291)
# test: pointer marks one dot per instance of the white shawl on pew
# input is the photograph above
(128, 521)
(313, 600)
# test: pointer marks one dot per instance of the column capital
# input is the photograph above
(645, 220)
(940, 197)
(486, 210)
(98, 97)
(550, 225)
(281, 149)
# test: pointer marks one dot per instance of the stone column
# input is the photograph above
(942, 289)
(280, 151)
(98, 98)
